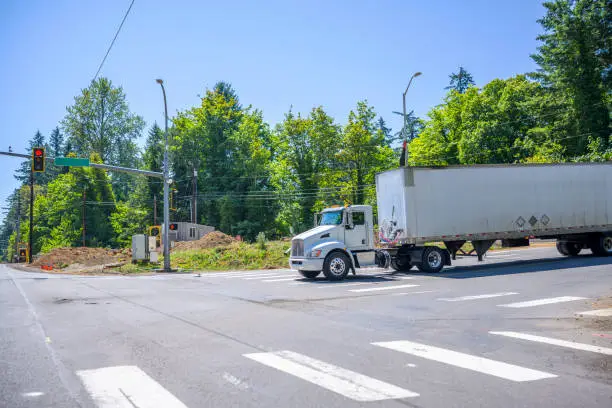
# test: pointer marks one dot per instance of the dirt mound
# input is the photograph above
(210, 240)
(62, 257)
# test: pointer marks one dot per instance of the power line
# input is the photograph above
(113, 42)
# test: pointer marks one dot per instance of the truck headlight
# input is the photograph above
(315, 253)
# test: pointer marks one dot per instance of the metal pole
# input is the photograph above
(166, 186)
(83, 218)
(154, 209)
(416, 74)
(194, 205)
(18, 237)
(31, 214)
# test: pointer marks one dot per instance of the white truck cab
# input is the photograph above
(342, 240)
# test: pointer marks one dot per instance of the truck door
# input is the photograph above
(355, 234)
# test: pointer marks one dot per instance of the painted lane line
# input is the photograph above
(280, 280)
(555, 342)
(126, 387)
(348, 383)
(467, 361)
(411, 293)
(598, 312)
(547, 301)
(382, 288)
(475, 297)
(343, 285)
(265, 277)
(248, 275)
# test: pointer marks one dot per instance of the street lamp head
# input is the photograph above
(159, 81)
(416, 74)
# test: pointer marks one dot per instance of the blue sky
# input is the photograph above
(276, 54)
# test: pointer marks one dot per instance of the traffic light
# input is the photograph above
(154, 230)
(173, 226)
(38, 159)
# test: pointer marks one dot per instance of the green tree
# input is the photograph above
(460, 81)
(575, 63)
(362, 153)
(304, 153)
(56, 142)
(100, 122)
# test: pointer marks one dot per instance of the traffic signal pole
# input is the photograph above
(31, 215)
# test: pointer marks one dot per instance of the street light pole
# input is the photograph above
(166, 187)
(416, 74)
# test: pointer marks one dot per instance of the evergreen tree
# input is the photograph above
(575, 63)
(460, 81)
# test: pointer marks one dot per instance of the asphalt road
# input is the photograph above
(506, 333)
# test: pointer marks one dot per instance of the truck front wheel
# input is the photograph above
(336, 266)
(432, 261)
(310, 274)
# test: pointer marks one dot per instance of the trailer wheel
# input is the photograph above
(432, 261)
(400, 265)
(601, 245)
(336, 266)
(568, 248)
(310, 274)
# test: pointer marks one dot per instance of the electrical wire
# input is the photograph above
(113, 42)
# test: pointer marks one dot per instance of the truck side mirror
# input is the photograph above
(349, 220)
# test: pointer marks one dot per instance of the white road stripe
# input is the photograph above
(248, 275)
(266, 277)
(126, 387)
(280, 280)
(339, 380)
(598, 312)
(382, 288)
(410, 293)
(555, 342)
(546, 301)
(474, 297)
(343, 285)
(467, 361)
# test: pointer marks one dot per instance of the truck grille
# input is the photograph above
(297, 247)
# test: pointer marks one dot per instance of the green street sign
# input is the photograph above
(71, 161)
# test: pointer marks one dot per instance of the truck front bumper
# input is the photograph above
(306, 264)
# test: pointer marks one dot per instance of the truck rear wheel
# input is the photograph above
(432, 261)
(568, 248)
(336, 266)
(601, 245)
(310, 274)
(401, 264)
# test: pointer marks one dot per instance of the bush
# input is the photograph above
(261, 241)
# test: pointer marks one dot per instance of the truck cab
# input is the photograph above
(341, 240)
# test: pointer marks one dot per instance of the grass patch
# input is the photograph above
(235, 256)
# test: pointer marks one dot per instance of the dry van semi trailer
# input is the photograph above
(571, 203)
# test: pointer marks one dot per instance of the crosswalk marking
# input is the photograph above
(279, 280)
(546, 301)
(555, 342)
(382, 288)
(598, 312)
(348, 383)
(474, 297)
(467, 361)
(126, 387)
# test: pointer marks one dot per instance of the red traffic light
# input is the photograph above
(38, 152)
(173, 227)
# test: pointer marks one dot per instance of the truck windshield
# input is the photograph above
(331, 218)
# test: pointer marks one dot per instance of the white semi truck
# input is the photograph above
(571, 203)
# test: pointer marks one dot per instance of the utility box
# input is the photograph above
(140, 247)
(187, 231)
